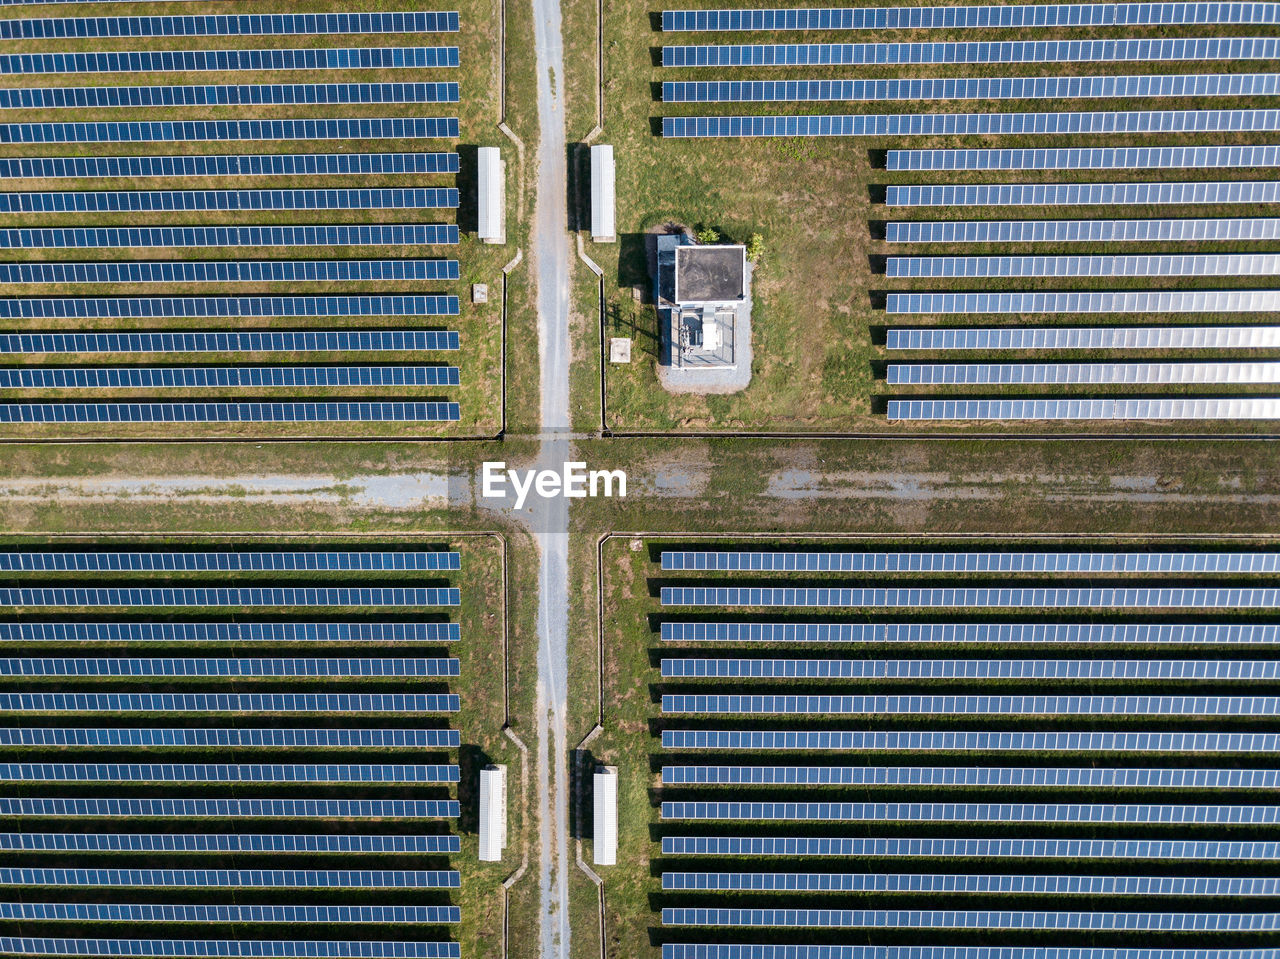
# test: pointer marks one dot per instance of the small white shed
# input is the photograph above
(490, 196)
(604, 835)
(493, 813)
(603, 229)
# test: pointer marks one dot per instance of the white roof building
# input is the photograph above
(604, 835)
(493, 813)
(603, 200)
(490, 196)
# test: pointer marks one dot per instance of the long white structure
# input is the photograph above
(604, 835)
(493, 813)
(603, 198)
(490, 196)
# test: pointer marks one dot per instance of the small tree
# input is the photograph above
(755, 247)
(707, 236)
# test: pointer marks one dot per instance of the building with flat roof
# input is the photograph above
(493, 812)
(490, 196)
(704, 304)
(602, 194)
(604, 834)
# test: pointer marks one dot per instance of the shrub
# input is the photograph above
(755, 247)
(707, 236)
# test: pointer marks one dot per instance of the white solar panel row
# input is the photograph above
(985, 633)
(971, 776)
(971, 88)
(975, 124)
(230, 271)
(1086, 301)
(205, 912)
(981, 669)
(1086, 338)
(228, 632)
(1093, 373)
(1097, 158)
(329, 668)
(192, 61)
(223, 94)
(198, 377)
(1226, 264)
(215, 25)
(225, 773)
(675, 704)
(1029, 598)
(755, 846)
(277, 878)
(44, 561)
(239, 737)
(1116, 409)
(1204, 230)
(1009, 51)
(231, 596)
(976, 812)
(113, 307)
(721, 951)
(429, 845)
(223, 164)
(1083, 194)
(1157, 561)
(968, 741)
(129, 201)
(235, 341)
(245, 948)
(299, 412)
(140, 237)
(917, 919)
(133, 808)
(231, 702)
(370, 128)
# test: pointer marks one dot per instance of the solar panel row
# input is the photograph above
(225, 376)
(980, 669)
(230, 632)
(1088, 301)
(234, 948)
(222, 94)
(1203, 230)
(996, 884)
(676, 704)
(907, 561)
(205, 912)
(298, 412)
(1083, 194)
(894, 919)
(215, 25)
(1079, 373)
(971, 776)
(231, 596)
(192, 61)
(230, 702)
(1086, 338)
(738, 951)
(229, 271)
(1226, 264)
(120, 201)
(225, 773)
(134, 807)
(178, 307)
(1085, 158)
(978, 812)
(983, 633)
(1113, 409)
(163, 560)
(799, 846)
(235, 341)
(1029, 598)
(969, 741)
(329, 234)
(228, 842)
(235, 737)
(224, 164)
(165, 131)
(128, 666)
(334, 878)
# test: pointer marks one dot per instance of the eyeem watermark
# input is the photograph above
(573, 481)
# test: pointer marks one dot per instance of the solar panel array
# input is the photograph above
(1002, 781)
(294, 745)
(55, 62)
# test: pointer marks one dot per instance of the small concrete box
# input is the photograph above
(602, 194)
(490, 196)
(604, 834)
(493, 813)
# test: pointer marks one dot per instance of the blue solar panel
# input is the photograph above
(1176, 670)
(232, 702)
(699, 951)
(215, 632)
(976, 812)
(968, 741)
(1014, 51)
(232, 596)
(756, 846)
(1012, 598)
(272, 878)
(314, 843)
(199, 377)
(234, 948)
(127, 666)
(229, 271)
(226, 306)
(1204, 230)
(1086, 338)
(984, 633)
(192, 61)
(1224, 264)
(215, 25)
(371, 128)
(229, 412)
(1099, 158)
(203, 912)
(237, 341)
(1081, 301)
(1083, 194)
(1119, 409)
(1083, 373)
(44, 561)
(975, 124)
(677, 704)
(233, 808)
(146, 201)
(972, 776)
(918, 919)
(140, 237)
(239, 737)
(222, 94)
(221, 164)
(973, 562)
(1046, 885)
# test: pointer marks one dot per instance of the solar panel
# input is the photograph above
(1225, 264)
(223, 25)
(204, 912)
(237, 341)
(44, 561)
(975, 124)
(200, 377)
(141, 237)
(1191, 634)
(971, 88)
(178, 307)
(720, 951)
(1093, 670)
(238, 737)
(1040, 885)
(1094, 373)
(927, 919)
(244, 878)
(223, 94)
(1097, 158)
(1010, 51)
(1246, 408)
(133, 807)
(164, 842)
(1083, 194)
(232, 702)
(147, 201)
(680, 704)
(923, 18)
(1083, 301)
(1039, 777)
(976, 812)
(237, 948)
(756, 846)
(968, 741)
(127, 666)
(229, 271)
(298, 412)
(1010, 598)
(222, 61)
(230, 632)
(1084, 231)
(971, 562)
(231, 596)
(222, 164)
(1086, 338)
(166, 131)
